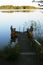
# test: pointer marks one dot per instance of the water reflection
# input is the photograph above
(17, 19)
(16, 10)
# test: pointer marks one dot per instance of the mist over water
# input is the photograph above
(17, 20)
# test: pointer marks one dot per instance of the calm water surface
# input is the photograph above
(17, 19)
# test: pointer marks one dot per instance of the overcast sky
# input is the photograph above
(16, 2)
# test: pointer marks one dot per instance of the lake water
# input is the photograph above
(18, 20)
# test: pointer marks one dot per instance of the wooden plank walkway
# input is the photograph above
(25, 44)
(27, 53)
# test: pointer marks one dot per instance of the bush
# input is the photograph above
(11, 52)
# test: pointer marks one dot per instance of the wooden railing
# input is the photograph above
(37, 42)
(38, 48)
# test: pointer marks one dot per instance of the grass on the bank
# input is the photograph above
(10, 52)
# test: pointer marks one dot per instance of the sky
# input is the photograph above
(16, 2)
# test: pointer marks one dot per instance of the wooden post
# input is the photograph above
(13, 34)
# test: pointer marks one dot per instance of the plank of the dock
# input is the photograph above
(25, 43)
